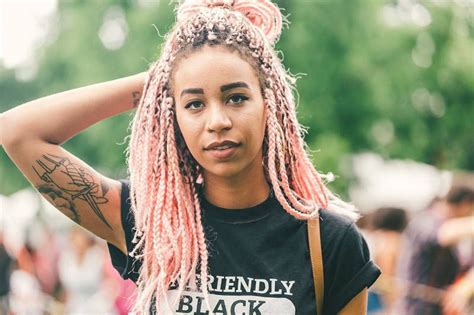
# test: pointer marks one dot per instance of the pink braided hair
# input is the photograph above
(169, 234)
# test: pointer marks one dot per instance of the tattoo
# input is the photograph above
(136, 98)
(64, 182)
(60, 199)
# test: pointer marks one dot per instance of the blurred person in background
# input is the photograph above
(122, 291)
(460, 232)
(26, 296)
(46, 261)
(81, 272)
(429, 264)
(6, 264)
(383, 229)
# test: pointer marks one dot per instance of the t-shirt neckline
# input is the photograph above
(238, 216)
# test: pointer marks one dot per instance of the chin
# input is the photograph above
(223, 171)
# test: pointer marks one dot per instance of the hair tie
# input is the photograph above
(263, 14)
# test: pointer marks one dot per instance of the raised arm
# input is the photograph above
(32, 133)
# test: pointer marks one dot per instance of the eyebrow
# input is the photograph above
(224, 88)
(192, 91)
(234, 85)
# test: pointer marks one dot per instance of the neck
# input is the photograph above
(247, 189)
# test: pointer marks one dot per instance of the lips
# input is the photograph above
(223, 154)
(223, 150)
(221, 145)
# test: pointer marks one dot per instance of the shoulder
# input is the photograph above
(335, 228)
(340, 237)
(127, 266)
(348, 268)
(330, 218)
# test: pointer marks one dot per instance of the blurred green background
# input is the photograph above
(391, 77)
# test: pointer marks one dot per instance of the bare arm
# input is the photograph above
(454, 230)
(56, 118)
(358, 304)
(31, 135)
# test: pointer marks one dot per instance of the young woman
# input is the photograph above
(213, 217)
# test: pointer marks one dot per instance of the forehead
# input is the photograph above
(212, 66)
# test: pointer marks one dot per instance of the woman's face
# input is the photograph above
(220, 111)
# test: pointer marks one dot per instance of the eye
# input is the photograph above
(194, 105)
(237, 99)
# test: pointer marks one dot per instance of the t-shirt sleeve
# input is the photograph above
(349, 272)
(127, 266)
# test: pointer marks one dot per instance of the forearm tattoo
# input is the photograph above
(136, 98)
(65, 183)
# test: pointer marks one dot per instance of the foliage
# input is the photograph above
(362, 89)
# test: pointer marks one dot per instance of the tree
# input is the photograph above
(404, 91)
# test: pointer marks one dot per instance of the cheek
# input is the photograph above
(189, 130)
(254, 124)
(258, 121)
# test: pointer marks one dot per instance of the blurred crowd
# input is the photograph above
(61, 276)
(426, 259)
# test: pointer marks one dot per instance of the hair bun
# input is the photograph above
(263, 14)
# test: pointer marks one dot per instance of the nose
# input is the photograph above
(218, 119)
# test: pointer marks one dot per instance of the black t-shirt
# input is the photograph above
(259, 261)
